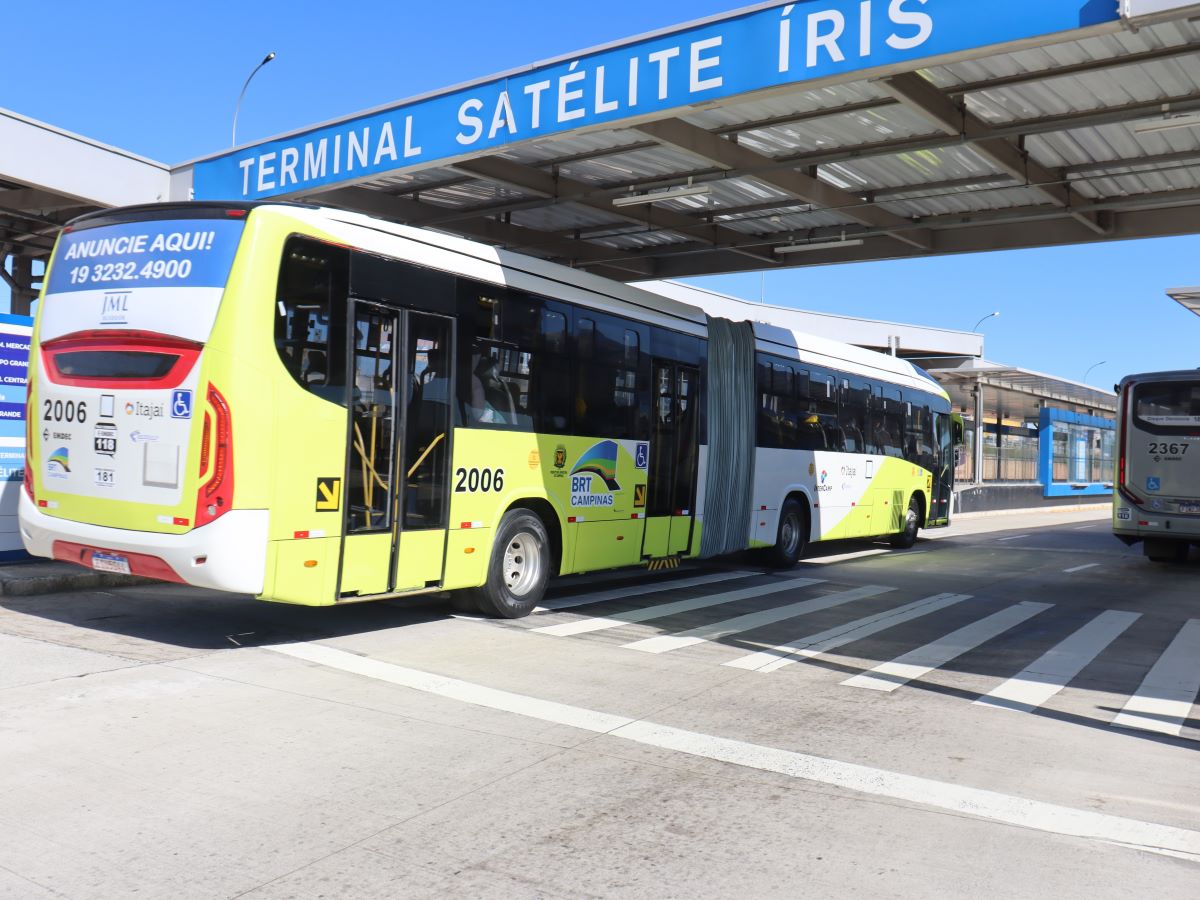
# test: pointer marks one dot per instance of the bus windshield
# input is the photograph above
(1168, 406)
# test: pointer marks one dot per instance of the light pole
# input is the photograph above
(266, 59)
(1089, 371)
(984, 319)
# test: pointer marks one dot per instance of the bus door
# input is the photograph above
(943, 471)
(674, 451)
(396, 482)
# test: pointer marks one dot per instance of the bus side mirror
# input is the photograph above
(958, 430)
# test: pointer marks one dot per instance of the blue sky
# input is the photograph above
(161, 80)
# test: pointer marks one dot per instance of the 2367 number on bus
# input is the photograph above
(1169, 449)
(473, 481)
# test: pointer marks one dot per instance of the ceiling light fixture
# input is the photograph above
(1167, 124)
(683, 190)
(818, 245)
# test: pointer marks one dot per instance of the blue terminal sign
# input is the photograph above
(782, 44)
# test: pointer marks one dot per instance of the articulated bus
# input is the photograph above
(318, 407)
(1157, 499)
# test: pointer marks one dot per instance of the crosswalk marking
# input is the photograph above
(823, 642)
(1045, 677)
(916, 663)
(1164, 700)
(637, 591)
(716, 630)
(844, 557)
(584, 626)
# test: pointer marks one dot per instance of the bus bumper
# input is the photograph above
(229, 554)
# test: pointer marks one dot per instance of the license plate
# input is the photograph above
(1190, 509)
(110, 562)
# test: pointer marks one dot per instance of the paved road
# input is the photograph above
(1005, 711)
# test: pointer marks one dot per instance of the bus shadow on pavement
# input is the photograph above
(187, 618)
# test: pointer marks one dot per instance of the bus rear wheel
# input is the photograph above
(792, 536)
(912, 523)
(1166, 551)
(519, 568)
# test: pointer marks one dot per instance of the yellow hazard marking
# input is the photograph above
(639, 496)
(667, 562)
(329, 494)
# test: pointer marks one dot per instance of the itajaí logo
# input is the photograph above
(59, 463)
(594, 477)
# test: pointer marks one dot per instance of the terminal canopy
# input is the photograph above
(788, 134)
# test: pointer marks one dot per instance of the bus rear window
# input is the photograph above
(114, 364)
(1169, 405)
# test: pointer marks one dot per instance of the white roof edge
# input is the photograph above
(646, 285)
(98, 145)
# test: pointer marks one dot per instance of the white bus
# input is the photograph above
(1157, 500)
(319, 407)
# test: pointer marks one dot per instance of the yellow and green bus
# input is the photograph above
(318, 407)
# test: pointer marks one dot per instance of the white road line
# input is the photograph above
(844, 557)
(1165, 698)
(583, 626)
(621, 593)
(823, 642)
(1086, 527)
(1015, 537)
(1056, 668)
(924, 792)
(1081, 568)
(916, 663)
(716, 630)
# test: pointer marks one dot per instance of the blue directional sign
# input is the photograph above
(785, 43)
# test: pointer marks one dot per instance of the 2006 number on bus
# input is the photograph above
(470, 481)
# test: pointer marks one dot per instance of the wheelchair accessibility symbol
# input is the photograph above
(181, 405)
(642, 459)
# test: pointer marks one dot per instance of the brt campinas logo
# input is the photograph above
(596, 467)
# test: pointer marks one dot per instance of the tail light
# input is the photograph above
(215, 496)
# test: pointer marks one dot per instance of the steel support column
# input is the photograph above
(979, 434)
(23, 294)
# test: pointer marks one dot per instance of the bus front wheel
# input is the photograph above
(519, 567)
(792, 537)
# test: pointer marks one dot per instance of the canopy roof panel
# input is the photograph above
(1037, 142)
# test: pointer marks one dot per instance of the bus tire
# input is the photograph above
(1166, 551)
(912, 524)
(792, 537)
(519, 568)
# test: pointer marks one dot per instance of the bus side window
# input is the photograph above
(852, 416)
(310, 329)
(552, 381)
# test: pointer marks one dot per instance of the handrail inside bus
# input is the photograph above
(437, 440)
